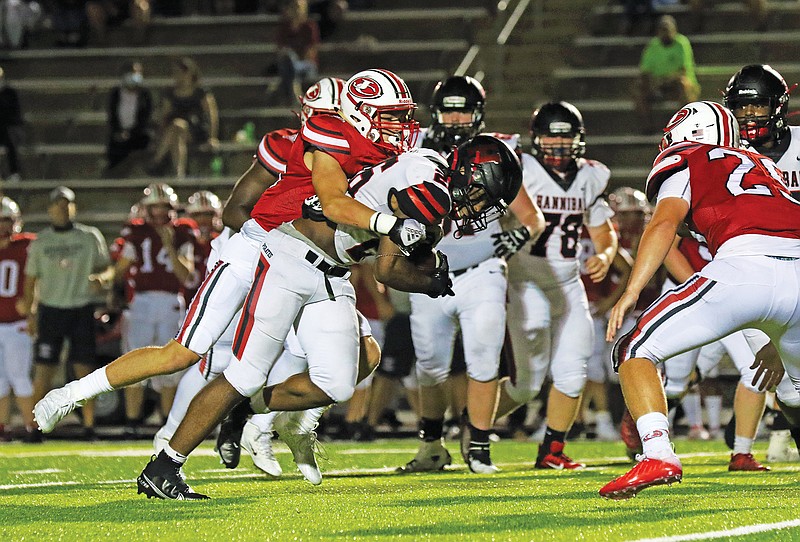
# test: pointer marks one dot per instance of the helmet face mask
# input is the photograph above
(378, 104)
(557, 135)
(759, 97)
(457, 111)
(160, 203)
(206, 209)
(485, 176)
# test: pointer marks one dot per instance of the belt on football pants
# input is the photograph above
(460, 272)
(327, 269)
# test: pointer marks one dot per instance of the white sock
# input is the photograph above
(603, 418)
(93, 384)
(654, 429)
(692, 409)
(175, 456)
(310, 418)
(263, 421)
(258, 404)
(713, 411)
(742, 445)
(191, 383)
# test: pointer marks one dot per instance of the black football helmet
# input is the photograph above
(558, 119)
(759, 84)
(485, 176)
(457, 93)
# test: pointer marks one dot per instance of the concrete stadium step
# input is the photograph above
(718, 48)
(723, 17)
(232, 60)
(616, 82)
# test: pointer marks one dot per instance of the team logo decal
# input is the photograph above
(314, 92)
(365, 88)
(679, 117)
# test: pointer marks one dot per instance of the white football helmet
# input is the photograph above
(159, 193)
(324, 96)
(203, 201)
(369, 98)
(10, 209)
(703, 122)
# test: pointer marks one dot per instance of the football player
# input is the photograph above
(16, 346)
(548, 313)
(303, 270)
(157, 259)
(476, 255)
(759, 98)
(751, 225)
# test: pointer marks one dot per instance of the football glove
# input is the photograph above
(441, 284)
(407, 234)
(508, 243)
(433, 234)
(312, 209)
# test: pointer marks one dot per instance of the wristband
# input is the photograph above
(382, 223)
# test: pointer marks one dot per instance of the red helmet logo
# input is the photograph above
(679, 117)
(314, 92)
(365, 88)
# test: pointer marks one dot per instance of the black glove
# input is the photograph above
(508, 243)
(312, 209)
(407, 234)
(433, 234)
(441, 285)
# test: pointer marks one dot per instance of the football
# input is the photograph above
(425, 261)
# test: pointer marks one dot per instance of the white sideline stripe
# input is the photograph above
(40, 471)
(738, 531)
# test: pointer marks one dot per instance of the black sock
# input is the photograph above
(795, 432)
(672, 403)
(779, 422)
(479, 437)
(430, 430)
(550, 436)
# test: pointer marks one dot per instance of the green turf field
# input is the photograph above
(76, 491)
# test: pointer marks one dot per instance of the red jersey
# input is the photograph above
(115, 252)
(734, 192)
(152, 268)
(282, 202)
(12, 275)
(273, 151)
(202, 251)
(695, 252)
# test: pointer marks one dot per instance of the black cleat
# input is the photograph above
(230, 435)
(162, 478)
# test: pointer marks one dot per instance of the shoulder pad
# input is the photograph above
(670, 161)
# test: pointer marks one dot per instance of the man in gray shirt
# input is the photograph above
(62, 262)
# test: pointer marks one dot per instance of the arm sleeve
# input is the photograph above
(677, 186)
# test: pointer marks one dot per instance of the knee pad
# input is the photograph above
(571, 384)
(674, 388)
(484, 372)
(22, 386)
(787, 394)
(431, 376)
(245, 378)
(338, 392)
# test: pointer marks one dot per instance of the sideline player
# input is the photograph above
(548, 313)
(739, 205)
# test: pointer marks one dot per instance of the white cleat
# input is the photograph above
(55, 406)
(302, 444)
(431, 457)
(259, 445)
(782, 448)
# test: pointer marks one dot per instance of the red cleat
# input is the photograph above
(630, 435)
(556, 459)
(647, 472)
(745, 462)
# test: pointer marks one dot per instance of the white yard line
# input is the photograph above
(738, 531)
(40, 471)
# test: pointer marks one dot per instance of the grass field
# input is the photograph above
(76, 491)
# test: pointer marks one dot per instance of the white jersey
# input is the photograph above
(789, 163)
(374, 186)
(565, 212)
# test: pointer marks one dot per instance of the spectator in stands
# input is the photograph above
(297, 39)
(64, 262)
(189, 115)
(11, 126)
(330, 13)
(667, 71)
(635, 11)
(130, 107)
(101, 14)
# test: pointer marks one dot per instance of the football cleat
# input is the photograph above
(556, 459)
(55, 406)
(258, 444)
(162, 478)
(745, 462)
(431, 456)
(479, 460)
(781, 447)
(303, 446)
(698, 432)
(630, 435)
(646, 473)
(230, 434)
